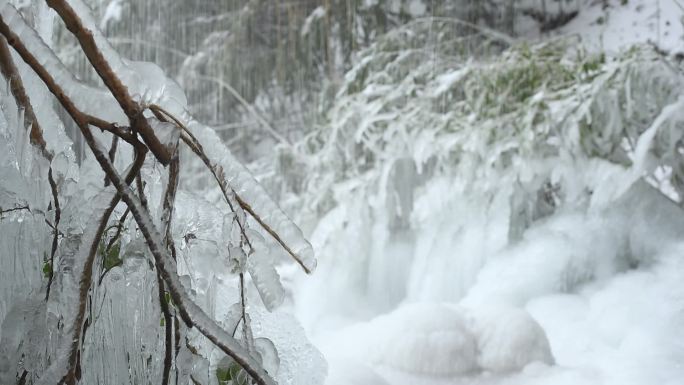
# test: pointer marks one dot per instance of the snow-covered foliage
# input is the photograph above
(500, 181)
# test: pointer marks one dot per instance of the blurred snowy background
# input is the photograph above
(493, 188)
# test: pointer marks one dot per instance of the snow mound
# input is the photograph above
(442, 340)
(425, 338)
(508, 339)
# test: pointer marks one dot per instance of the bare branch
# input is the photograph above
(119, 228)
(167, 217)
(122, 132)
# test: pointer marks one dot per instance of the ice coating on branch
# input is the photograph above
(122, 271)
(249, 190)
(126, 319)
(266, 279)
(150, 85)
(73, 253)
(91, 100)
(146, 82)
(168, 133)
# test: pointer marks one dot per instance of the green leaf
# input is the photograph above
(111, 257)
(47, 269)
(232, 375)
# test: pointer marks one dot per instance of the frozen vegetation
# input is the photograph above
(493, 191)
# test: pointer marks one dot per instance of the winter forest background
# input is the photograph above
(483, 192)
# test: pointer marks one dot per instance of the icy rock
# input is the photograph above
(508, 339)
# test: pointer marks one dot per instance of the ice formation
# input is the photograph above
(119, 317)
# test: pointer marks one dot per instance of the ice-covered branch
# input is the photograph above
(190, 311)
(88, 99)
(11, 74)
(117, 77)
(302, 255)
(102, 66)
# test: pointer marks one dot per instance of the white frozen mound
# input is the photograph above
(424, 338)
(508, 339)
(441, 340)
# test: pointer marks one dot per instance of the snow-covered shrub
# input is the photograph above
(439, 152)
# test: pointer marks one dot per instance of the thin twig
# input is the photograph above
(141, 191)
(58, 215)
(18, 208)
(119, 227)
(112, 149)
(112, 154)
(124, 133)
(169, 204)
(168, 330)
